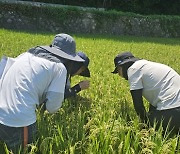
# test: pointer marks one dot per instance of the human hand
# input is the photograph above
(84, 84)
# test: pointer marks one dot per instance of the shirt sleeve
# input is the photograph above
(2, 65)
(135, 79)
(54, 101)
(59, 79)
(71, 92)
(55, 93)
(5, 64)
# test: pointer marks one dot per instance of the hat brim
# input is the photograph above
(124, 62)
(85, 73)
(62, 54)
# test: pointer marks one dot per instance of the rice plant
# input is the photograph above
(101, 120)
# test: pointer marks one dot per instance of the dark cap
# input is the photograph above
(123, 58)
(86, 72)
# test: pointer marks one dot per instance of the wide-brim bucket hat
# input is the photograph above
(64, 46)
(123, 58)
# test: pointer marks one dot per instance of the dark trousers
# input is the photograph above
(13, 137)
(170, 118)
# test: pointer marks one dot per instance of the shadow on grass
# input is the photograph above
(128, 114)
(123, 110)
(80, 102)
(65, 128)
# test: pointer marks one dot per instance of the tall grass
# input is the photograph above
(101, 120)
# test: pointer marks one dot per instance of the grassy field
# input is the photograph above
(101, 120)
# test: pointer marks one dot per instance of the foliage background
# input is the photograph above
(54, 18)
(166, 7)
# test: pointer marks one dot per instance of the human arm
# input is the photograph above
(70, 92)
(138, 104)
(53, 101)
(55, 92)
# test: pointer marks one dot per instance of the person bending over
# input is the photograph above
(157, 83)
(36, 77)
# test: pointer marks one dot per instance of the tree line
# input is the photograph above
(146, 7)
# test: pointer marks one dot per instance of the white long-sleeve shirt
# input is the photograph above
(27, 81)
(160, 83)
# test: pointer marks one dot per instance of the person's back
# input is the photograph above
(27, 80)
(160, 83)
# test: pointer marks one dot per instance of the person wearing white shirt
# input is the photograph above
(157, 83)
(36, 77)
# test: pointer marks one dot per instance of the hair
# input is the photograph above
(125, 68)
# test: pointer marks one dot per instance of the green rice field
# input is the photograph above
(101, 120)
